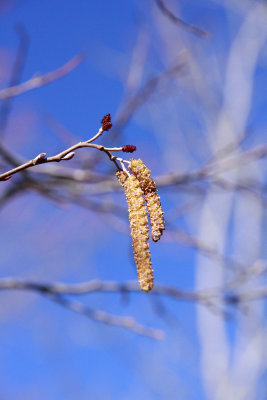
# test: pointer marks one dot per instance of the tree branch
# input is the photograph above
(188, 27)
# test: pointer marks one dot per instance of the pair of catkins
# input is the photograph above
(143, 199)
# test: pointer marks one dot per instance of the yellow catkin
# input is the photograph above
(139, 229)
(152, 198)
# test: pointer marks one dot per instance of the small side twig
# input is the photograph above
(104, 317)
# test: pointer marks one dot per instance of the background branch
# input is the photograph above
(184, 25)
(38, 81)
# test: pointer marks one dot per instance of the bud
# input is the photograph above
(139, 229)
(152, 198)
(68, 156)
(41, 158)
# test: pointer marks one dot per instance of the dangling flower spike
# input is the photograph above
(139, 229)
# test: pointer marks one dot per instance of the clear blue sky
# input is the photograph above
(47, 352)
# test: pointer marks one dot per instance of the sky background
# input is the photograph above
(46, 351)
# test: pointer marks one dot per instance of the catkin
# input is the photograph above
(152, 198)
(139, 229)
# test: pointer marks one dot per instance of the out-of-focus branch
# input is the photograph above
(92, 287)
(214, 168)
(69, 153)
(57, 292)
(104, 317)
(209, 171)
(99, 286)
(188, 27)
(131, 104)
(38, 81)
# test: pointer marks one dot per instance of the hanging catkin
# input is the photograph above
(139, 229)
(152, 198)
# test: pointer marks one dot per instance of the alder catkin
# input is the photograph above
(152, 198)
(139, 229)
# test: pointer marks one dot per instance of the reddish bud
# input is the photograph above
(128, 148)
(106, 122)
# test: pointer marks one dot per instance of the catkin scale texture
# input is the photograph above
(139, 229)
(152, 199)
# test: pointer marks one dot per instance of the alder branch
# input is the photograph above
(38, 81)
(55, 292)
(69, 154)
(209, 170)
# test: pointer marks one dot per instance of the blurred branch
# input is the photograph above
(94, 286)
(99, 286)
(131, 104)
(214, 168)
(176, 20)
(103, 184)
(67, 155)
(38, 81)
(103, 317)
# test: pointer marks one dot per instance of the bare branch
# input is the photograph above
(131, 104)
(38, 81)
(66, 155)
(55, 292)
(98, 286)
(103, 317)
(188, 27)
(214, 168)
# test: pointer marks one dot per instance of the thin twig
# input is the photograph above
(15, 73)
(96, 286)
(64, 155)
